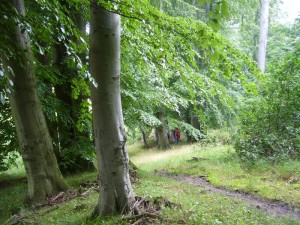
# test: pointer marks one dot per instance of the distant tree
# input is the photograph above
(263, 35)
(162, 131)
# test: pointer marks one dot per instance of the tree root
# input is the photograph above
(195, 159)
(145, 211)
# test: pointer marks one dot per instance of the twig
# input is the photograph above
(58, 196)
(196, 159)
(88, 191)
(138, 221)
(136, 205)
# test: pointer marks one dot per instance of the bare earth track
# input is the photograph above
(275, 208)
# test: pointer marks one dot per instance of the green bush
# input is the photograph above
(273, 146)
(269, 127)
(78, 157)
(220, 136)
(270, 122)
(8, 142)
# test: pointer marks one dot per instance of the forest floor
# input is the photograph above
(275, 208)
(273, 189)
(188, 184)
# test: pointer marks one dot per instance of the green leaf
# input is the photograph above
(224, 9)
(203, 2)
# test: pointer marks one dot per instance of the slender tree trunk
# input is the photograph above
(263, 35)
(144, 140)
(116, 193)
(195, 122)
(43, 175)
(188, 120)
(163, 142)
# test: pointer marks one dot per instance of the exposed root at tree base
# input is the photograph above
(145, 211)
(275, 208)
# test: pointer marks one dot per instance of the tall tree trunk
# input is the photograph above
(43, 175)
(162, 137)
(263, 35)
(116, 193)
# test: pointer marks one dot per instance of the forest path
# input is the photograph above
(275, 208)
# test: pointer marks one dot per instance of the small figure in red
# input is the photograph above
(177, 135)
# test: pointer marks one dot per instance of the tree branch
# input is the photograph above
(118, 13)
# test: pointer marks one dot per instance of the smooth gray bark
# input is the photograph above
(263, 35)
(162, 137)
(43, 175)
(116, 193)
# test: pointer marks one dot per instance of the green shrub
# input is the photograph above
(270, 123)
(216, 137)
(78, 157)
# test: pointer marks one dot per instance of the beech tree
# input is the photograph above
(162, 138)
(263, 35)
(43, 175)
(116, 193)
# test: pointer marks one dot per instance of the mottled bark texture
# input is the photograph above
(43, 175)
(116, 194)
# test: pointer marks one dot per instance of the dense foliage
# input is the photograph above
(173, 60)
(270, 123)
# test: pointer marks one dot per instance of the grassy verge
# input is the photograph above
(222, 168)
(198, 206)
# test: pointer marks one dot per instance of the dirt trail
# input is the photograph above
(276, 208)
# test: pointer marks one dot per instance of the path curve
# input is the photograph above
(276, 208)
